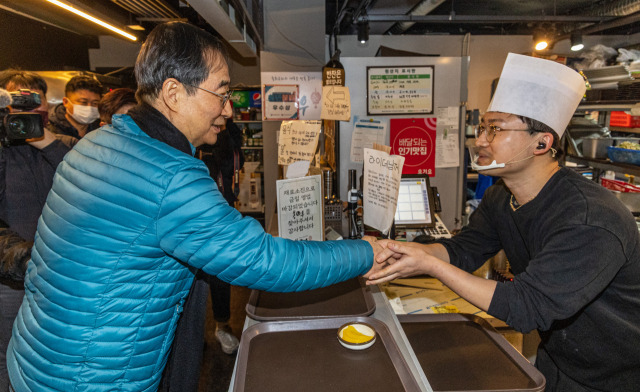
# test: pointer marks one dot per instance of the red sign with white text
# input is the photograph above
(415, 140)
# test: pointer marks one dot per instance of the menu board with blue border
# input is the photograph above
(400, 90)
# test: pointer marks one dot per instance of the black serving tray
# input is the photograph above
(349, 298)
(305, 355)
(463, 352)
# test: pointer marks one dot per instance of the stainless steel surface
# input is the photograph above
(596, 147)
(385, 314)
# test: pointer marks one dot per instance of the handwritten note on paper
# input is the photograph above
(336, 103)
(300, 208)
(365, 134)
(297, 141)
(382, 174)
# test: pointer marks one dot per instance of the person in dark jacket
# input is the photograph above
(573, 247)
(78, 113)
(132, 217)
(26, 174)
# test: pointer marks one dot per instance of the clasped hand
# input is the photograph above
(394, 260)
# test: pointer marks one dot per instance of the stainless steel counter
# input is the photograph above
(385, 314)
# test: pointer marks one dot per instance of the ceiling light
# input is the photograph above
(363, 31)
(540, 41)
(135, 27)
(93, 19)
(576, 42)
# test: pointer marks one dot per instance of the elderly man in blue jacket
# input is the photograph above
(130, 218)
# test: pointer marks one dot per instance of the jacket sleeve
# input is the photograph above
(476, 242)
(15, 253)
(198, 227)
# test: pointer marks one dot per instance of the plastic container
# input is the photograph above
(622, 119)
(622, 155)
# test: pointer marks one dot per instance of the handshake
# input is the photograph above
(392, 259)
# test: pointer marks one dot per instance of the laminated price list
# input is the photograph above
(399, 90)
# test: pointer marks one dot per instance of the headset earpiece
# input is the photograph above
(541, 146)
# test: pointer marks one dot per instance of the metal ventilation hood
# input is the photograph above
(224, 23)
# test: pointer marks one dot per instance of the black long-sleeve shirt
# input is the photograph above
(575, 254)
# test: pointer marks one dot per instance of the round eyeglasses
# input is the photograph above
(224, 97)
(491, 130)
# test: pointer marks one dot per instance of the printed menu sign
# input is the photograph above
(399, 90)
(297, 141)
(300, 208)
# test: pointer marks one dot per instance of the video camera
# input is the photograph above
(20, 125)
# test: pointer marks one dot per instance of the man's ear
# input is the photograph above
(172, 94)
(546, 140)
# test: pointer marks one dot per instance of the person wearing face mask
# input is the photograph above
(26, 175)
(78, 113)
(573, 247)
(130, 220)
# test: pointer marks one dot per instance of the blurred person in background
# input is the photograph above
(26, 174)
(117, 101)
(78, 113)
(225, 162)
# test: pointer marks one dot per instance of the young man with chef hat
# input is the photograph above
(573, 247)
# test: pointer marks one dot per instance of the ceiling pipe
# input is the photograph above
(471, 19)
(422, 8)
(596, 28)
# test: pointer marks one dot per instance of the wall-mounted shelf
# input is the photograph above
(605, 164)
(607, 106)
(625, 130)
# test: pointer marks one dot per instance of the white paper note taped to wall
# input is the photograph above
(299, 202)
(365, 134)
(297, 141)
(381, 183)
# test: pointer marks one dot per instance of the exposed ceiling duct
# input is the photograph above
(422, 8)
(148, 10)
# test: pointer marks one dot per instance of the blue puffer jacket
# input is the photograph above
(127, 222)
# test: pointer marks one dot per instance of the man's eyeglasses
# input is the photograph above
(224, 97)
(491, 130)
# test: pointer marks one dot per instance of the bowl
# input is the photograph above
(356, 335)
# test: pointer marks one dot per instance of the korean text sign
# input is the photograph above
(415, 140)
(300, 208)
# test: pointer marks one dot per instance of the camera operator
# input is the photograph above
(26, 175)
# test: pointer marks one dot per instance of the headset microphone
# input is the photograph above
(495, 165)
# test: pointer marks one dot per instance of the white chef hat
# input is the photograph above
(540, 89)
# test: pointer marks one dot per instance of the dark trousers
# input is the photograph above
(220, 299)
(11, 294)
(182, 372)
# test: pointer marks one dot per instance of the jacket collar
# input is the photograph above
(158, 127)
